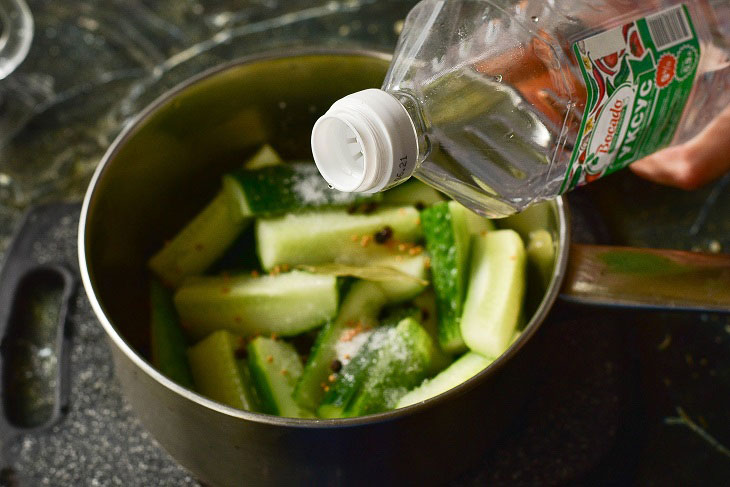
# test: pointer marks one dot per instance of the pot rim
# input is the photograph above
(132, 127)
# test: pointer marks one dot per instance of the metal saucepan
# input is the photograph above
(168, 162)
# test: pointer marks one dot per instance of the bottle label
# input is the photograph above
(638, 77)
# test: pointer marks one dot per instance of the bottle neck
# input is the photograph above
(366, 142)
(415, 112)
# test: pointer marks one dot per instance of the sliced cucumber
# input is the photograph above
(540, 261)
(541, 255)
(532, 218)
(275, 369)
(448, 227)
(466, 367)
(283, 188)
(266, 156)
(403, 290)
(167, 339)
(426, 303)
(219, 375)
(360, 307)
(343, 390)
(206, 237)
(496, 290)
(466, 218)
(203, 240)
(318, 237)
(412, 192)
(400, 276)
(286, 304)
(394, 359)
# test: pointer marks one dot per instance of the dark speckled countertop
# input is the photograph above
(644, 398)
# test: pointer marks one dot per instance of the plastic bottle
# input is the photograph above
(504, 103)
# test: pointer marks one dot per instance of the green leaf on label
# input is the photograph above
(590, 160)
(592, 91)
(623, 74)
(576, 178)
(609, 88)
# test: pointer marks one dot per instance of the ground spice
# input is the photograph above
(415, 250)
(348, 335)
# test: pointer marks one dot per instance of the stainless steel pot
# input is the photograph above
(168, 162)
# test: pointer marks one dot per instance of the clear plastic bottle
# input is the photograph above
(504, 103)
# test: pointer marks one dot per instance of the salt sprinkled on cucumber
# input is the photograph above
(283, 188)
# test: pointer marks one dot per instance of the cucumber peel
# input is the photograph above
(463, 369)
(167, 338)
(360, 307)
(283, 188)
(448, 227)
(394, 359)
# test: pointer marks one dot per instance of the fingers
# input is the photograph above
(704, 158)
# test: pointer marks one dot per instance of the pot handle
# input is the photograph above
(647, 278)
(35, 304)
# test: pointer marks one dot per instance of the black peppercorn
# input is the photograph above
(336, 365)
(369, 207)
(383, 235)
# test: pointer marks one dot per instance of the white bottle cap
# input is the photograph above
(365, 142)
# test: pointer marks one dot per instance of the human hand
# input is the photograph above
(695, 163)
